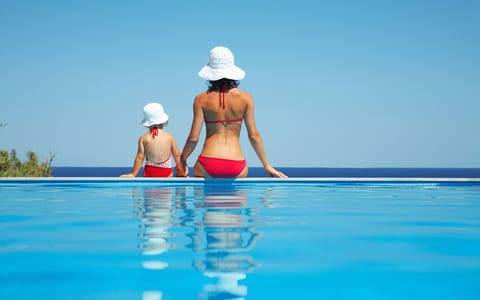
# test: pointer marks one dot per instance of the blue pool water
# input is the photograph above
(244, 239)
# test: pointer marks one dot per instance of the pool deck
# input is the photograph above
(245, 180)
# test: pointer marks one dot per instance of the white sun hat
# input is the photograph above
(153, 114)
(221, 65)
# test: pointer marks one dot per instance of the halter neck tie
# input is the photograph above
(154, 132)
(221, 100)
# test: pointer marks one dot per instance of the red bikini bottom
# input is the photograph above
(221, 167)
(152, 171)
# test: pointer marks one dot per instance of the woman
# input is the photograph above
(223, 107)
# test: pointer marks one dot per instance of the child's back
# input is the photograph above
(156, 146)
(159, 148)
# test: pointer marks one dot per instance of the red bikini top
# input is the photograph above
(221, 103)
(223, 121)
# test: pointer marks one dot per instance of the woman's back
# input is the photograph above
(223, 113)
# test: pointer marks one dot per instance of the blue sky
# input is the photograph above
(335, 83)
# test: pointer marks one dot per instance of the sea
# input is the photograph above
(295, 172)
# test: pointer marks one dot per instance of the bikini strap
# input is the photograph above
(154, 132)
(221, 96)
(224, 121)
(221, 100)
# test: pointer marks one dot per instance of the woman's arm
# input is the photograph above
(180, 170)
(195, 130)
(256, 140)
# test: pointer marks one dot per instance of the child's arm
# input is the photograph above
(137, 164)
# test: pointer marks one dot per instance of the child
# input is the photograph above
(157, 146)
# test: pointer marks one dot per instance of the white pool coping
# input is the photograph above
(246, 180)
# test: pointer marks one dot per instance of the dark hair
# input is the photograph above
(222, 85)
(159, 125)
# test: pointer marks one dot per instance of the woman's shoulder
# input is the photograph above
(202, 96)
(236, 92)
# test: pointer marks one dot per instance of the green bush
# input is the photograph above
(11, 166)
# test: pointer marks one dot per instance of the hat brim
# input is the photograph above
(233, 73)
(160, 120)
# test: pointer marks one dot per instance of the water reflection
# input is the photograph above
(223, 232)
(155, 222)
(154, 209)
(219, 225)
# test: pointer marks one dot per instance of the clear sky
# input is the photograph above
(335, 83)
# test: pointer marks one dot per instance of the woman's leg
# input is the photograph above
(199, 171)
(244, 172)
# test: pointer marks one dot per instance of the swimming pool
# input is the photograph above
(242, 239)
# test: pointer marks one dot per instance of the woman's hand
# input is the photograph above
(274, 172)
(129, 175)
(181, 171)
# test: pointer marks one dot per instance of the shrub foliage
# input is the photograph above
(11, 166)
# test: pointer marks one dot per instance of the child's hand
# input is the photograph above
(127, 176)
(181, 172)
